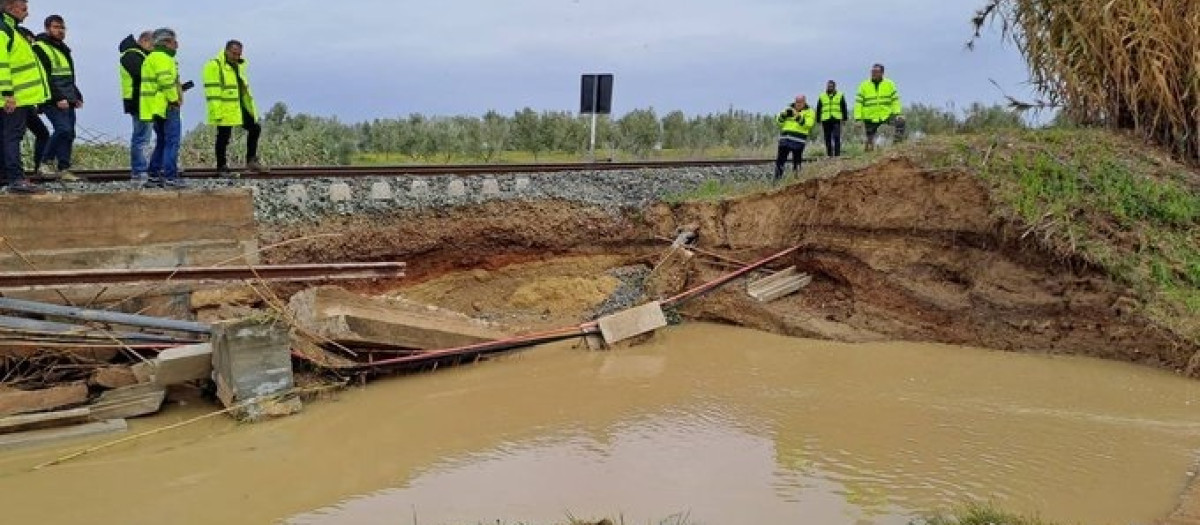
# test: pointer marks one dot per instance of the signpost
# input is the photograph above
(595, 98)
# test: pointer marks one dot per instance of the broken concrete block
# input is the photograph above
(633, 322)
(381, 191)
(25, 423)
(52, 435)
(252, 362)
(185, 363)
(131, 401)
(350, 319)
(113, 377)
(144, 372)
(296, 195)
(491, 187)
(457, 188)
(595, 343)
(215, 297)
(15, 402)
(340, 192)
(779, 285)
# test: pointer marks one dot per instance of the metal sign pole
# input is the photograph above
(592, 147)
(595, 110)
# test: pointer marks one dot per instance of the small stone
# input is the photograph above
(522, 184)
(296, 195)
(491, 187)
(381, 191)
(340, 192)
(457, 188)
(419, 188)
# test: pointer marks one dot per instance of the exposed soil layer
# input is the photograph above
(898, 252)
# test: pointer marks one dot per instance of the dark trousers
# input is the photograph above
(792, 147)
(12, 131)
(41, 135)
(224, 133)
(62, 141)
(832, 129)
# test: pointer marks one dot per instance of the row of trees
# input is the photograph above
(300, 139)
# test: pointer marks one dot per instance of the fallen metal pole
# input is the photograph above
(555, 335)
(66, 330)
(289, 272)
(101, 316)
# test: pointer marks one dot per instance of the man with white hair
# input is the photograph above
(22, 88)
(160, 101)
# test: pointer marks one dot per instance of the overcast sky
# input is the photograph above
(360, 59)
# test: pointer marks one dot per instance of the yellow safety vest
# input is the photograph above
(798, 124)
(160, 85)
(831, 106)
(225, 97)
(126, 78)
(877, 103)
(21, 74)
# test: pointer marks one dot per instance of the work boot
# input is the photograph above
(153, 182)
(256, 168)
(65, 175)
(25, 187)
(226, 173)
(174, 183)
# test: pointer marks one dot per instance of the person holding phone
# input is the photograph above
(160, 103)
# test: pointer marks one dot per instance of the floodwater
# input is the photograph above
(711, 425)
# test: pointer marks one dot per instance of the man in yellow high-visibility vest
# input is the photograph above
(831, 112)
(133, 54)
(795, 123)
(230, 105)
(159, 104)
(22, 88)
(65, 98)
(878, 103)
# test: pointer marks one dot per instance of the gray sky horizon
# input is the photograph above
(364, 59)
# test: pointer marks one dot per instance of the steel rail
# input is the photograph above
(289, 273)
(307, 172)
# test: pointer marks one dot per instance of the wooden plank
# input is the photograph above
(52, 435)
(16, 402)
(29, 422)
(633, 322)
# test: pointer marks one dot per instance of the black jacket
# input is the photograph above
(61, 88)
(132, 63)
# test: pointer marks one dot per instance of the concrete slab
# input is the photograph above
(54, 435)
(779, 285)
(186, 363)
(340, 192)
(457, 188)
(14, 402)
(381, 191)
(252, 362)
(113, 377)
(12, 424)
(132, 401)
(354, 320)
(633, 322)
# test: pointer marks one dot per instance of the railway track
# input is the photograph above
(309, 172)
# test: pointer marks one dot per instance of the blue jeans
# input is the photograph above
(12, 132)
(63, 139)
(164, 162)
(138, 142)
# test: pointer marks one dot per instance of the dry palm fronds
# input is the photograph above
(1126, 64)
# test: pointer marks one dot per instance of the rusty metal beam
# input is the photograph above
(289, 273)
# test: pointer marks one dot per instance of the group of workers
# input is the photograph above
(38, 77)
(877, 104)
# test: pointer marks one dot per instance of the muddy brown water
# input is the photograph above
(721, 425)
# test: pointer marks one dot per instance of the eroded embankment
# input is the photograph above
(898, 252)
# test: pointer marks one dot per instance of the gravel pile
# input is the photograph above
(613, 190)
(629, 294)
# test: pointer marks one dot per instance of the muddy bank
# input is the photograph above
(898, 253)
